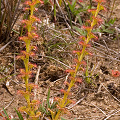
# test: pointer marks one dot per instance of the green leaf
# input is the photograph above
(108, 31)
(19, 115)
(68, 14)
(112, 21)
(42, 109)
(55, 11)
(46, 1)
(74, 3)
(63, 118)
(80, 21)
(48, 96)
(97, 30)
(82, 32)
(6, 114)
(53, 105)
(72, 6)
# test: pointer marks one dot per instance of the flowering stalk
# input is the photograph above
(26, 73)
(79, 61)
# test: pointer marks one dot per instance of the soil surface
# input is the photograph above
(97, 99)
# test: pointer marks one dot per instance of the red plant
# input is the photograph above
(115, 73)
(25, 74)
(79, 63)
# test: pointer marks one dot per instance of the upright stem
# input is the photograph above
(90, 4)
(26, 61)
(80, 58)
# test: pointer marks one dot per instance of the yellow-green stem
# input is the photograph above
(58, 114)
(64, 99)
(80, 58)
(98, 9)
(26, 62)
(60, 2)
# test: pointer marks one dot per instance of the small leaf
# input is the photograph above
(112, 21)
(82, 32)
(108, 31)
(93, 11)
(19, 115)
(48, 96)
(53, 105)
(88, 29)
(80, 20)
(42, 109)
(63, 118)
(6, 114)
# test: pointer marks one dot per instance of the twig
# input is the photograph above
(94, 69)
(90, 118)
(63, 14)
(110, 93)
(106, 47)
(58, 37)
(36, 82)
(14, 67)
(5, 87)
(71, 106)
(59, 32)
(3, 47)
(111, 115)
(107, 57)
(66, 78)
(99, 109)
(111, 12)
(58, 80)
(57, 61)
(8, 104)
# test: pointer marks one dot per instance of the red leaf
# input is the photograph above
(80, 0)
(99, 1)
(65, 92)
(84, 44)
(86, 28)
(82, 37)
(80, 62)
(93, 11)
